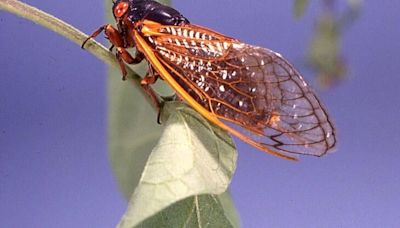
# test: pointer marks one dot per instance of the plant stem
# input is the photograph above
(64, 29)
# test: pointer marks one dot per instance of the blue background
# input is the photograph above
(54, 170)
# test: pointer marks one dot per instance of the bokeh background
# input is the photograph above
(54, 169)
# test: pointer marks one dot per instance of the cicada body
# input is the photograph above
(251, 92)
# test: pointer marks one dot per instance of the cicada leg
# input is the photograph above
(151, 77)
(112, 34)
(116, 40)
(124, 56)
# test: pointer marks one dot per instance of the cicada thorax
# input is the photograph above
(252, 87)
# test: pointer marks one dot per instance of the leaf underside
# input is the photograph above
(196, 211)
(191, 158)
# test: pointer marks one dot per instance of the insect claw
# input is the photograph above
(94, 34)
(124, 77)
(84, 42)
(159, 117)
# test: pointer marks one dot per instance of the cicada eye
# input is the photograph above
(121, 9)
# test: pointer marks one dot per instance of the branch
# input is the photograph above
(64, 29)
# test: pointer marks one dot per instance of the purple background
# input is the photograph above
(54, 170)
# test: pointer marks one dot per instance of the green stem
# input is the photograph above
(48, 21)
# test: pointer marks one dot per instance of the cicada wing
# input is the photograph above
(254, 88)
(284, 108)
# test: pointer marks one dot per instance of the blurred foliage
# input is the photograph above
(324, 53)
(300, 7)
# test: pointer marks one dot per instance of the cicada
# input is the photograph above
(251, 92)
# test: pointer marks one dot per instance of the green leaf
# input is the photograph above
(133, 129)
(299, 7)
(191, 158)
(229, 209)
(196, 211)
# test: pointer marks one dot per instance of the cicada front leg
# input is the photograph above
(112, 34)
(116, 40)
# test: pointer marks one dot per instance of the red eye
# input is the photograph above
(120, 9)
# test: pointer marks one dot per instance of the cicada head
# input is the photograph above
(132, 11)
(126, 14)
(120, 9)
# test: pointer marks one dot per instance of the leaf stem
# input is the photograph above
(68, 31)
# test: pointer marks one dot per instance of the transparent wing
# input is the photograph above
(253, 88)
(284, 114)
